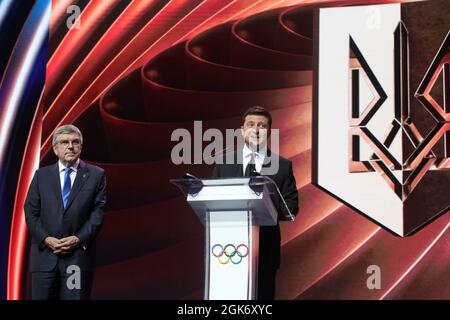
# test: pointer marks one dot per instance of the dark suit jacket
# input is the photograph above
(45, 215)
(269, 236)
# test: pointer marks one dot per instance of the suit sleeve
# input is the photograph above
(289, 191)
(216, 172)
(32, 209)
(89, 230)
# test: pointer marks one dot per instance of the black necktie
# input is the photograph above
(250, 166)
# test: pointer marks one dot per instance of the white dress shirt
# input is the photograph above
(259, 158)
(73, 173)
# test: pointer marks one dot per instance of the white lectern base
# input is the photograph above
(229, 257)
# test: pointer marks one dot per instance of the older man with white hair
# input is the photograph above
(64, 211)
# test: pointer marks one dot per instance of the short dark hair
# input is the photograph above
(259, 111)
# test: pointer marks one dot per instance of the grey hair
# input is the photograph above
(66, 129)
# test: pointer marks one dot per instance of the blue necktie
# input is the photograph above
(67, 186)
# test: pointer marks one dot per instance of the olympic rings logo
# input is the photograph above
(229, 253)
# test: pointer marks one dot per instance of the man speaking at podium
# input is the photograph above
(64, 211)
(255, 129)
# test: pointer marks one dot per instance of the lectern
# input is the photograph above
(232, 210)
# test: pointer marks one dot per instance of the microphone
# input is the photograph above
(254, 173)
(189, 176)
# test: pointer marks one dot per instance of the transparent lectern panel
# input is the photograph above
(194, 185)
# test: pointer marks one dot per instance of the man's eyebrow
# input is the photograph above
(66, 140)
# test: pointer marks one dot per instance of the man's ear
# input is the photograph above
(54, 150)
